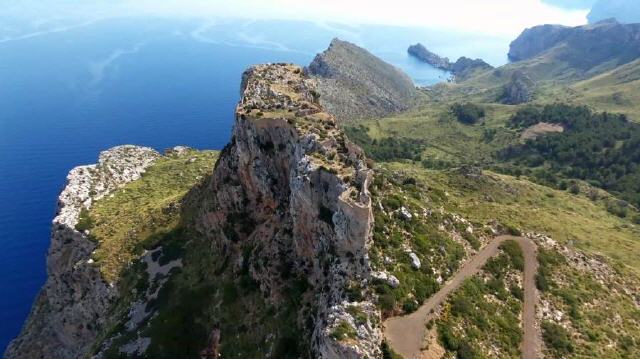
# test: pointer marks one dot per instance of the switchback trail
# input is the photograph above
(406, 334)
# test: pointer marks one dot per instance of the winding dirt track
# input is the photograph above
(406, 334)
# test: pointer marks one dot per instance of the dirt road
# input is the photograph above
(406, 334)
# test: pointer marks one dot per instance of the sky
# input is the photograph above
(492, 17)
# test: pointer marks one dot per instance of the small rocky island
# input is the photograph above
(461, 69)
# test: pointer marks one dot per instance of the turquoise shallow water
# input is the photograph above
(71, 89)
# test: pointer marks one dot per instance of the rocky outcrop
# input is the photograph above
(421, 53)
(590, 48)
(518, 90)
(71, 308)
(355, 84)
(462, 69)
(291, 186)
(535, 40)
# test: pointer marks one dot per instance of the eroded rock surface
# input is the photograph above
(355, 84)
(71, 308)
(293, 187)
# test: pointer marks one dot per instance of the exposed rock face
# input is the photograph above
(292, 186)
(595, 47)
(71, 308)
(535, 40)
(355, 84)
(518, 90)
(421, 53)
(465, 66)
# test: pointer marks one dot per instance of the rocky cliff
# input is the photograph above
(71, 309)
(267, 255)
(355, 84)
(291, 184)
(586, 49)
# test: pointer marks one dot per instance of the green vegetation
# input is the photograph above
(602, 149)
(387, 148)
(140, 215)
(436, 249)
(85, 222)
(557, 339)
(388, 352)
(470, 324)
(600, 319)
(518, 203)
(467, 113)
(343, 331)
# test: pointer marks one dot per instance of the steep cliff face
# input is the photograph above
(71, 308)
(587, 49)
(265, 256)
(291, 186)
(355, 84)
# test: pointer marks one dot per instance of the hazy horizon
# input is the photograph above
(492, 17)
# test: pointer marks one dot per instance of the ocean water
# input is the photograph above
(69, 89)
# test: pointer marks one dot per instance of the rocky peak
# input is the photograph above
(356, 84)
(291, 186)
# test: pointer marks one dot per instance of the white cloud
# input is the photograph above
(495, 17)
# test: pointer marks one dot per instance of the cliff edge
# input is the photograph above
(71, 308)
(266, 254)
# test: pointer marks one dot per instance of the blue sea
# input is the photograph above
(71, 88)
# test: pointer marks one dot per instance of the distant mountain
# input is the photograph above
(626, 11)
(583, 51)
(353, 83)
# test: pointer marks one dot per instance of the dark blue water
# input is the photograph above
(67, 94)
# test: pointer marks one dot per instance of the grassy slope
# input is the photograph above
(205, 293)
(446, 138)
(566, 217)
(599, 319)
(135, 216)
(573, 220)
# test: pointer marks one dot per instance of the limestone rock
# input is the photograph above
(355, 84)
(71, 308)
(518, 90)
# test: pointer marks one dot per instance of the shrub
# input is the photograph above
(467, 113)
(409, 306)
(448, 339)
(387, 302)
(512, 248)
(387, 352)
(343, 331)
(557, 338)
(473, 241)
(85, 222)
